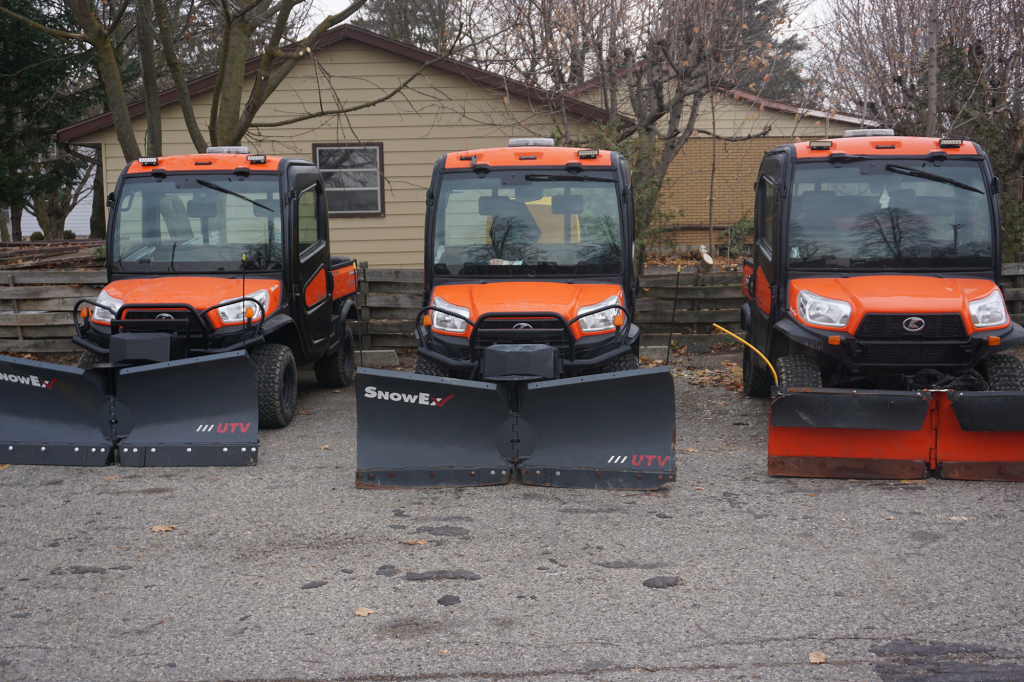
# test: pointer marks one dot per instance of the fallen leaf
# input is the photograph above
(698, 488)
(957, 518)
(889, 518)
(415, 542)
(691, 449)
(164, 529)
(443, 652)
(337, 391)
(275, 445)
(363, 612)
(110, 478)
(4, 466)
(304, 412)
(325, 447)
(817, 657)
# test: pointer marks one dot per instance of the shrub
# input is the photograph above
(68, 234)
(740, 231)
(37, 236)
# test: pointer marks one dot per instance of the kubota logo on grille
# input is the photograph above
(31, 380)
(415, 398)
(913, 324)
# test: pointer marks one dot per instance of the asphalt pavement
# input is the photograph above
(265, 570)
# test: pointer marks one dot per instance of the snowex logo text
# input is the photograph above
(414, 398)
(31, 380)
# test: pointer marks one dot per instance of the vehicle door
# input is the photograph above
(766, 221)
(311, 261)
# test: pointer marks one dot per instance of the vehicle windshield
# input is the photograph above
(890, 214)
(539, 223)
(199, 223)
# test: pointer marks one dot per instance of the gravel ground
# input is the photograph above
(266, 567)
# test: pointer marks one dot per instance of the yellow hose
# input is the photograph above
(774, 374)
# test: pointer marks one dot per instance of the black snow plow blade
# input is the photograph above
(194, 412)
(603, 431)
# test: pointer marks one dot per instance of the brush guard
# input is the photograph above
(842, 433)
(612, 430)
(193, 412)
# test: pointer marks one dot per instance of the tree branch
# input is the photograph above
(725, 138)
(62, 35)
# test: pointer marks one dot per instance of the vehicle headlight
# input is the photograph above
(989, 311)
(448, 323)
(102, 314)
(602, 321)
(232, 310)
(824, 311)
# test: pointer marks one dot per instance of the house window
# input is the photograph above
(354, 177)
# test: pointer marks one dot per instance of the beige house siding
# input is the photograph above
(439, 112)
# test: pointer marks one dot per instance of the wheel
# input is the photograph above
(339, 368)
(90, 358)
(623, 363)
(1003, 372)
(757, 381)
(432, 368)
(798, 371)
(277, 384)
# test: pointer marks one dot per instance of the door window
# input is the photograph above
(311, 229)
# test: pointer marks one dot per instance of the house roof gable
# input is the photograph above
(347, 32)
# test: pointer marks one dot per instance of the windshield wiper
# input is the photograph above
(204, 183)
(903, 170)
(582, 178)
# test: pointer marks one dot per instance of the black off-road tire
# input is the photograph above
(1003, 372)
(90, 358)
(623, 363)
(431, 368)
(339, 368)
(277, 384)
(798, 371)
(757, 381)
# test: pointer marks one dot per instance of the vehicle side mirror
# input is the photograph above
(201, 209)
(562, 204)
(996, 188)
(494, 205)
(110, 200)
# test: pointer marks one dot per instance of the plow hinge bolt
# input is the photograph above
(11, 447)
(359, 475)
(503, 472)
(188, 449)
(243, 449)
(135, 449)
(43, 449)
(558, 473)
(152, 449)
(472, 473)
(371, 476)
(492, 472)
(660, 477)
(672, 479)
(598, 474)
(639, 476)
(431, 474)
(76, 449)
(391, 475)
(225, 449)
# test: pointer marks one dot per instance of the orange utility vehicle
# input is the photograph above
(527, 363)
(874, 291)
(221, 282)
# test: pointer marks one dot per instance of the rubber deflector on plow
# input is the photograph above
(602, 431)
(194, 412)
(842, 433)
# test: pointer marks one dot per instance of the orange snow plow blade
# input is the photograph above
(842, 433)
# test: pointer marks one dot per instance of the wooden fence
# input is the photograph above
(35, 306)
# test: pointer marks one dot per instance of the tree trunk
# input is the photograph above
(147, 59)
(5, 233)
(16, 212)
(233, 80)
(933, 67)
(98, 219)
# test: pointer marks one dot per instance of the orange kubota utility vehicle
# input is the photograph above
(874, 292)
(221, 281)
(527, 363)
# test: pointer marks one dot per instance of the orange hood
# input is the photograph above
(554, 297)
(199, 292)
(896, 294)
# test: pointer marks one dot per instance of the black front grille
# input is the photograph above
(511, 324)
(890, 327)
(913, 354)
(155, 315)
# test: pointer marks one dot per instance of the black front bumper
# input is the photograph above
(906, 356)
